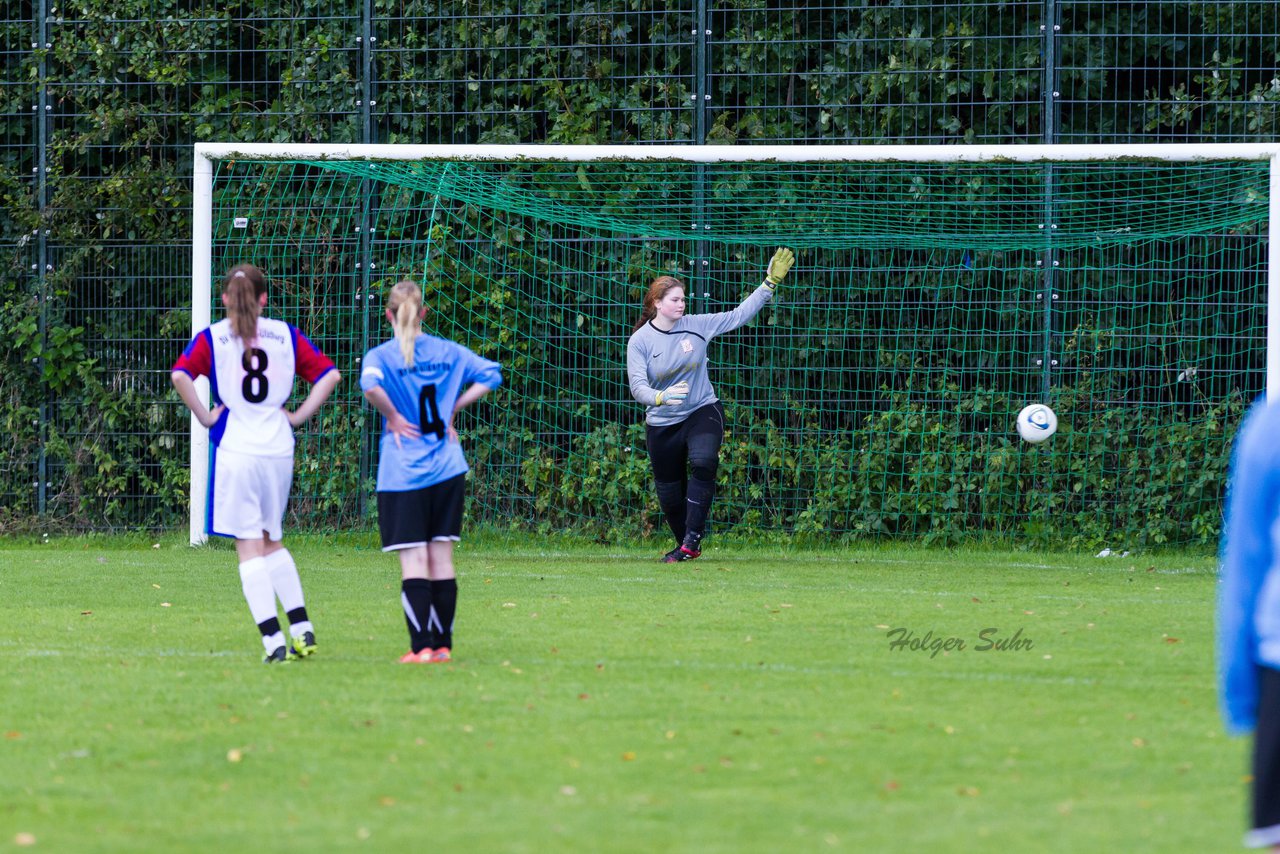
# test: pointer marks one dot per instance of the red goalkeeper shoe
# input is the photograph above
(680, 553)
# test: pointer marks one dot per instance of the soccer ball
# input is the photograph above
(1037, 423)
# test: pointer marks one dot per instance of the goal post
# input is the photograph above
(938, 288)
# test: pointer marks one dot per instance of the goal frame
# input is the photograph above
(205, 154)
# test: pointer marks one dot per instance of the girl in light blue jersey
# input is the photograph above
(419, 383)
(684, 421)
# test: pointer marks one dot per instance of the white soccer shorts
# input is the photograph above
(250, 495)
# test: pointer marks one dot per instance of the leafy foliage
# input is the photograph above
(95, 270)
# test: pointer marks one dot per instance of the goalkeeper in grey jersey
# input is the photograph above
(684, 421)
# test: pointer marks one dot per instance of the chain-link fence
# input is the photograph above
(101, 101)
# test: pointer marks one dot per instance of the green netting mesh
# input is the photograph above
(876, 396)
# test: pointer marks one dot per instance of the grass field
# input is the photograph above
(599, 701)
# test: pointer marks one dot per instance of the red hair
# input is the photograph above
(660, 287)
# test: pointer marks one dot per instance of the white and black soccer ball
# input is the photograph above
(1036, 423)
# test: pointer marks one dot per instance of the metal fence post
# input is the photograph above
(701, 95)
(699, 264)
(43, 107)
(369, 424)
(1049, 29)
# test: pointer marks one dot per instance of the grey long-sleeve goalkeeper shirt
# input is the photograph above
(657, 360)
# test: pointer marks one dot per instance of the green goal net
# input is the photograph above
(876, 396)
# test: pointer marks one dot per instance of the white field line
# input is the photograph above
(1104, 566)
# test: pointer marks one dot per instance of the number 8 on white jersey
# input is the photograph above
(254, 384)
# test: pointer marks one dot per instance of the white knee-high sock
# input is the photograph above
(288, 587)
(256, 582)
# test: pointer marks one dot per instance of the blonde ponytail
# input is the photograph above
(405, 305)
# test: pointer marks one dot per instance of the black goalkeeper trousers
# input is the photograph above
(690, 448)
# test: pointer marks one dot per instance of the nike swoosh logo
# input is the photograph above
(655, 355)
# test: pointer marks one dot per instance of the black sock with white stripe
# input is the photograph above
(415, 596)
(444, 603)
(699, 497)
(671, 499)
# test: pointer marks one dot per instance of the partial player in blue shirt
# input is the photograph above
(419, 383)
(1249, 611)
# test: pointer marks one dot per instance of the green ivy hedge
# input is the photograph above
(941, 468)
(95, 272)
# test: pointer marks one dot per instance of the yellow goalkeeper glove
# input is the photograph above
(779, 265)
(673, 396)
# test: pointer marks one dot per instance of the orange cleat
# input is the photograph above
(420, 657)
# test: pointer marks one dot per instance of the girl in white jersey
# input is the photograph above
(419, 383)
(684, 421)
(251, 362)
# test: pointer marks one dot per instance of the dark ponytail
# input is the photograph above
(243, 287)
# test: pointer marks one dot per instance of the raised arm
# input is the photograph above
(719, 323)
